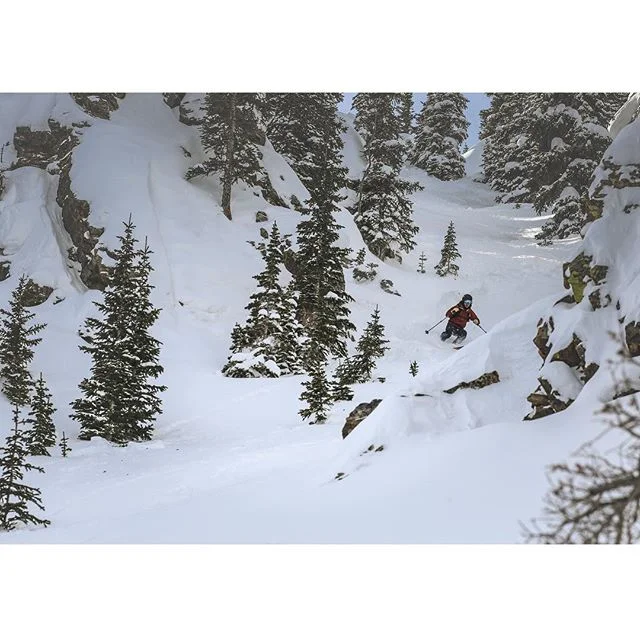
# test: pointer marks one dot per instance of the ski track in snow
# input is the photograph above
(231, 461)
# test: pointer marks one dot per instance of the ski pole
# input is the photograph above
(482, 328)
(436, 325)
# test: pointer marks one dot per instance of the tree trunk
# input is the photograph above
(227, 178)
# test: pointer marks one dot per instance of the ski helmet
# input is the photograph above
(469, 298)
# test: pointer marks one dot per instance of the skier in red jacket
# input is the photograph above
(459, 315)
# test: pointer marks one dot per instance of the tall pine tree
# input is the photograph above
(307, 129)
(405, 112)
(42, 434)
(449, 254)
(384, 212)
(17, 341)
(119, 402)
(15, 496)
(270, 341)
(317, 392)
(230, 135)
(440, 132)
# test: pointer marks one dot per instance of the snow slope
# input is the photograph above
(231, 461)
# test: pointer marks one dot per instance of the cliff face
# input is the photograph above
(601, 311)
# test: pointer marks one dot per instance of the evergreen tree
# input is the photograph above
(421, 261)
(15, 496)
(307, 129)
(269, 343)
(64, 445)
(413, 368)
(449, 254)
(17, 340)
(230, 134)
(384, 211)
(440, 132)
(405, 112)
(370, 347)
(570, 129)
(317, 392)
(342, 381)
(119, 402)
(42, 434)
(319, 281)
(360, 257)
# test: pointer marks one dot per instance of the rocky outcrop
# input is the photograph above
(387, 286)
(546, 400)
(172, 100)
(98, 104)
(574, 356)
(632, 338)
(358, 415)
(35, 294)
(579, 272)
(261, 216)
(5, 270)
(52, 150)
(541, 339)
(486, 379)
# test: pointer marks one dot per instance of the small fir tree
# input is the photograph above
(64, 446)
(342, 381)
(413, 368)
(317, 392)
(360, 257)
(119, 401)
(449, 254)
(269, 343)
(15, 496)
(42, 435)
(370, 347)
(440, 132)
(17, 342)
(421, 261)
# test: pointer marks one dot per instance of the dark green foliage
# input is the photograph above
(449, 254)
(323, 303)
(269, 344)
(369, 274)
(384, 211)
(42, 434)
(306, 128)
(64, 446)
(421, 261)
(342, 381)
(230, 134)
(440, 132)
(119, 402)
(17, 340)
(15, 496)
(405, 112)
(317, 392)
(360, 257)
(413, 368)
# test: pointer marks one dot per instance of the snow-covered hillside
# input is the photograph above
(231, 460)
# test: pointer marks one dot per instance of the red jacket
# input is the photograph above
(460, 315)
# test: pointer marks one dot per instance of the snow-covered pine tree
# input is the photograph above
(405, 112)
(64, 445)
(15, 496)
(449, 254)
(269, 342)
(413, 368)
(230, 134)
(323, 303)
(342, 381)
(307, 129)
(42, 434)
(119, 403)
(440, 132)
(571, 135)
(384, 212)
(371, 346)
(360, 257)
(421, 261)
(17, 341)
(318, 389)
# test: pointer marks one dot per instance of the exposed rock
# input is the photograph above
(570, 355)
(577, 273)
(263, 233)
(290, 261)
(269, 192)
(387, 286)
(5, 270)
(541, 339)
(1, 184)
(40, 148)
(98, 104)
(358, 415)
(486, 379)
(261, 216)
(589, 372)
(35, 294)
(568, 299)
(173, 99)
(632, 338)
(546, 401)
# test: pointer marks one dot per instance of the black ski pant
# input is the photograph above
(458, 332)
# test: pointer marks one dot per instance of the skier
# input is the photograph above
(458, 317)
